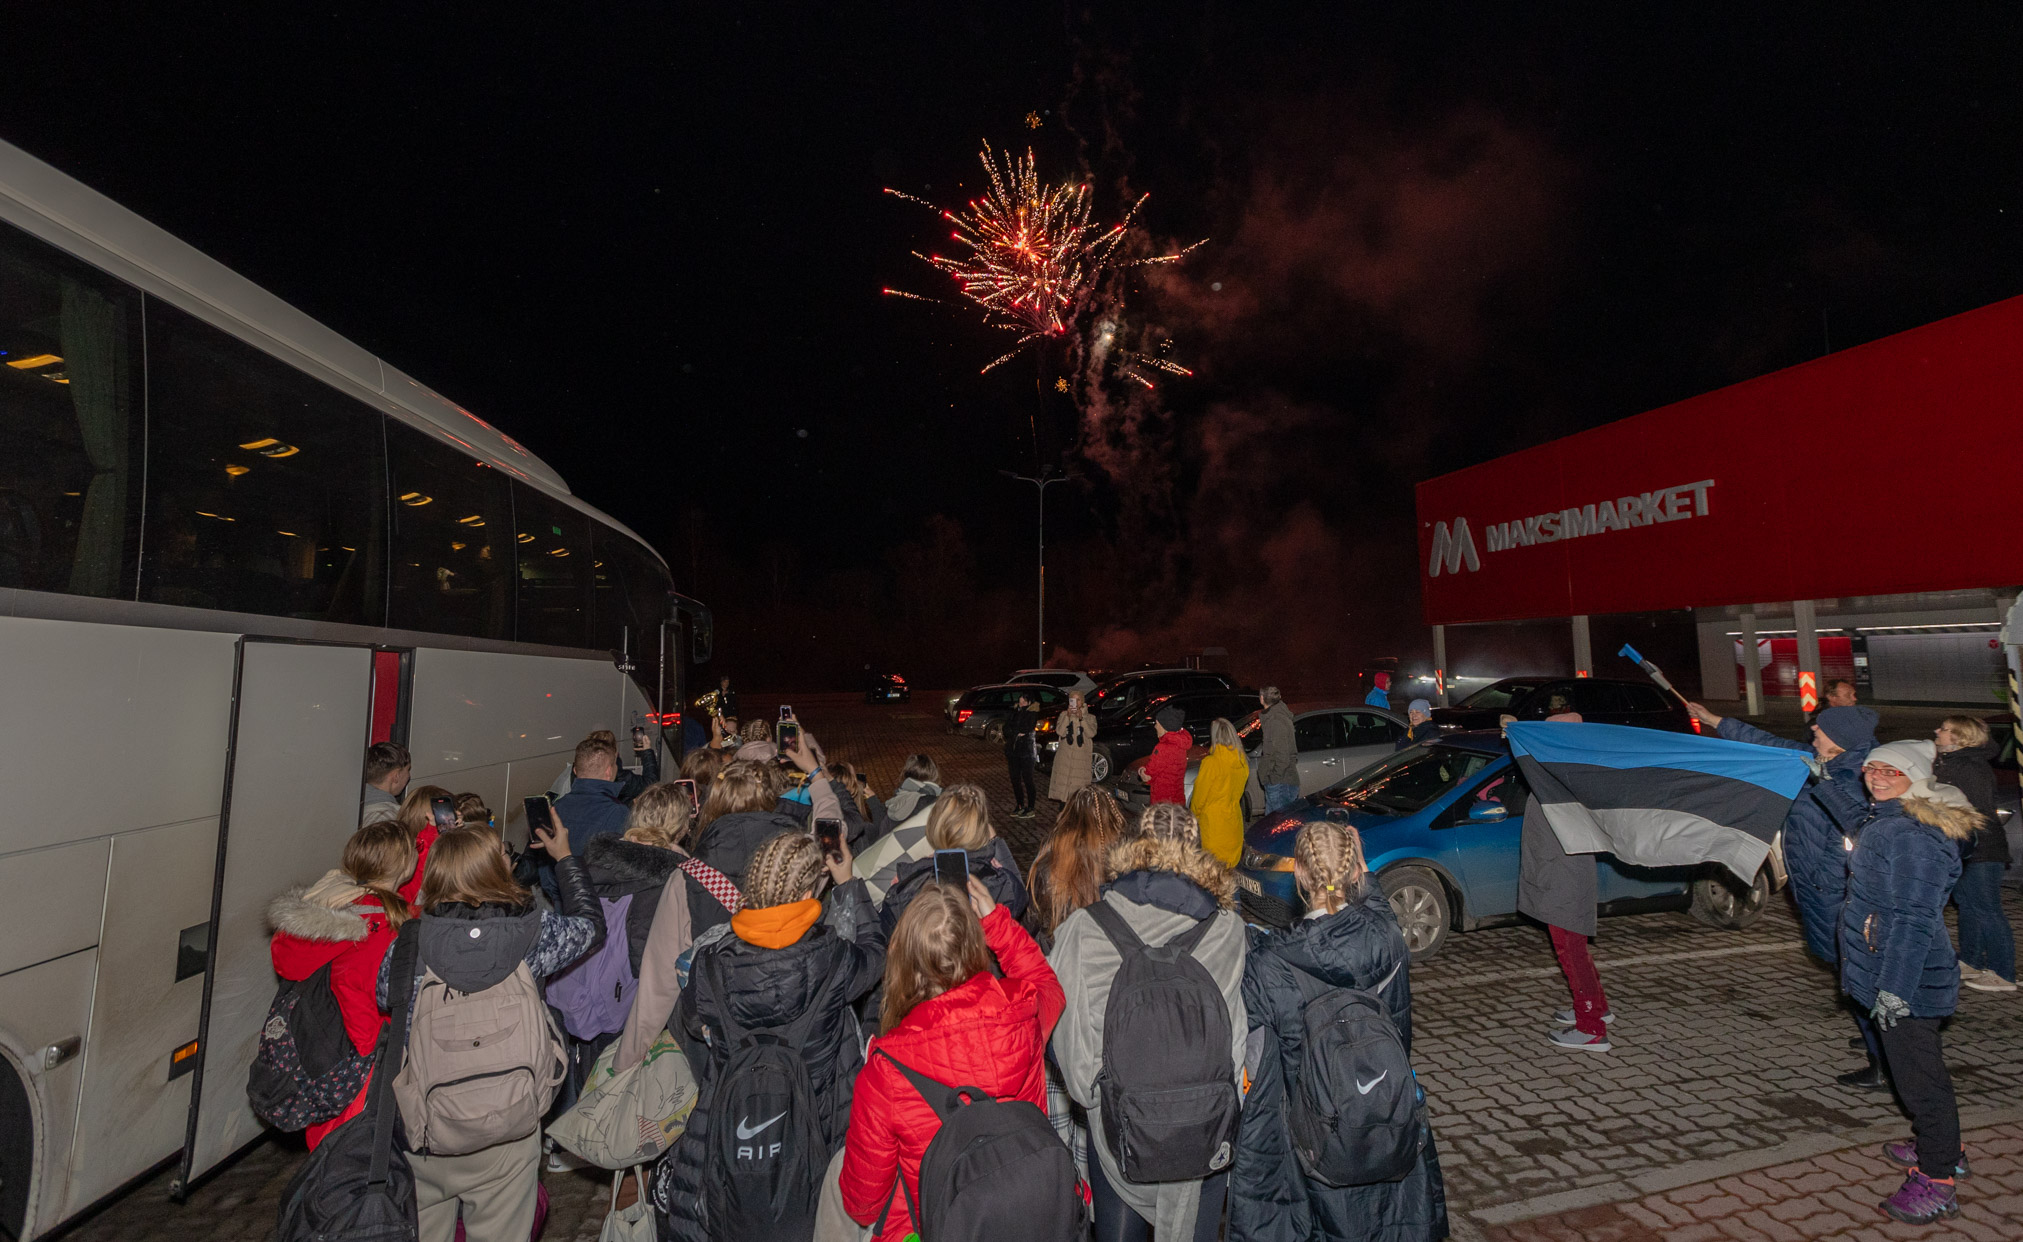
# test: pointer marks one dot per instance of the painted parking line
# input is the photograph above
(1647, 959)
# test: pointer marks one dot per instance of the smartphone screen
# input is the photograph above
(537, 815)
(952, 867)
(788, 733)
(444, 811)
(638, 737)
(786, 712)
(830, 833)
(688, 787)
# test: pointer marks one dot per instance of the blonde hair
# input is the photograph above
(379, 858)
(936, 945)
(471, 809)
(1169, 821)
(741, 786)
(959, 820)
(467, 866)
(1967, 730)
(757, 731)
(659, 816)
(415, 813)
(1331, 855)
(1223, 733)
(784, 869)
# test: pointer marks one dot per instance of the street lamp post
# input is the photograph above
(1047, 477)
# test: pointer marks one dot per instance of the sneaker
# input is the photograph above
(1571, 1038)
(1904, 1154)
(1921, 1201)
(1565, 1018)
(560, 1161)
(1988, 981)
(1970, 973)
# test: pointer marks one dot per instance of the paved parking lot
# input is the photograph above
(1716, 1116)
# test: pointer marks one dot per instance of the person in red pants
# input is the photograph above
(1558, 889)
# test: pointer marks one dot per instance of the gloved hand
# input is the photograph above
(1888, 1008)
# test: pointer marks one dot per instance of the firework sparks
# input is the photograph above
(1028, 253)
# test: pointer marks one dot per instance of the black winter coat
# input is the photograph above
(1269, 1199)
(618, 867)
(1971, 770)
(995, 867)
(729, 843)
(771, 988)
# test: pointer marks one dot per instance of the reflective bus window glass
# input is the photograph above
(70, 424)
(266, 489)
(555, 563)
(629, 590)
(452, 540)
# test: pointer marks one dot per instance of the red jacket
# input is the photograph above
(985, 1032)
(352, 939)
(1167, 768)
(422, 840)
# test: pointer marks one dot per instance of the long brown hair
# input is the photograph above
(1069, 867)
(415, 813)
(379, 858)
(701, 766)
(468, 866)
(853, 786)
(741, 786)
(937, 944)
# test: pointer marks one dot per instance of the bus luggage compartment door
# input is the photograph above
(300, 719)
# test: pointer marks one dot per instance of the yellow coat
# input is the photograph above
(1218, 802)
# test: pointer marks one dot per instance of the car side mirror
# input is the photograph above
(1488, 812)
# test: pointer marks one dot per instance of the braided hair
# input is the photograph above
(1331, 855)
(782, 870)
(1169, 821)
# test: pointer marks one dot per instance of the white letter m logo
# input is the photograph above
(1452, 550)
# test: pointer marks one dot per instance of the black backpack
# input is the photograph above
(1168, 1082)
(991, 1162)
(357, 1186)
(306, 1070)
(1355, 1117)
(764, 1155)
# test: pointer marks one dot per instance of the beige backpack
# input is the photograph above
(482, 1067)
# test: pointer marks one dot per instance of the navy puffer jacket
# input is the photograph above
(1269, 1199)
(1893, 928)
(1815, 853)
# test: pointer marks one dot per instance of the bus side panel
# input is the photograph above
(44, 1004)
(133, 1112)
(53, 900)
(110, 728)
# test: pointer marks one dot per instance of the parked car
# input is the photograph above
(1128, 736)
(982, 710)
(1440, 824)
(1062, 679)
(1599, 700)
(886, 688)
(1333, 742)
(1125, 693)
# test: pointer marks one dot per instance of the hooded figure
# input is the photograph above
(1166, 770)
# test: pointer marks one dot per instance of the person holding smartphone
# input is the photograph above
(959, 824)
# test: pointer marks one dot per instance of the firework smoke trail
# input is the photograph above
(1031, 256)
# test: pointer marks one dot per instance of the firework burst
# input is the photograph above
(1030, 255)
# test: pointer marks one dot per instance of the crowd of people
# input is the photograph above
(847, 979)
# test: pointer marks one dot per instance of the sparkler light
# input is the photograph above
(1029, 254)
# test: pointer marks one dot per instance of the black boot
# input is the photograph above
(1869, 1078)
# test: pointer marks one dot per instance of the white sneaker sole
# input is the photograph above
(1989, 981)
(1602, 1045)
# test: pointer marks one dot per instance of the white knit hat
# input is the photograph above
(1914, 759)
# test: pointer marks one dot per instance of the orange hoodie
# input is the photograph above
(776, 927)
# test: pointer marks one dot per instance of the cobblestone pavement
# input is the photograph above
(1726, 1044)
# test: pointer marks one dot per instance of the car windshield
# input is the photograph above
(1407, 781)
(1499, 695)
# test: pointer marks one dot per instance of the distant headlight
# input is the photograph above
(1258, 860)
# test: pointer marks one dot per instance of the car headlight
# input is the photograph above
(1258, 860)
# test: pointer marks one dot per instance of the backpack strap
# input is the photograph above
(944, 1100)
(714, 882)
(1115, 927)
(392, 1051)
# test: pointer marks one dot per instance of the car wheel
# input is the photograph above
(1099, 763)
(1718, 901)
(994, 733)
(1419, 900)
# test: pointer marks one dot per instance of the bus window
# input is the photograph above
(266, 489)
(630, 591)
(70, 424)
(454, 553)
(553, 600)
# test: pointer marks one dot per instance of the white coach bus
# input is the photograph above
(235, 548)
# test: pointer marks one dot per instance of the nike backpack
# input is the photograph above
(482, 1067)
(991, 1162)
(1355, 1115)
(305, 1070)
(594, 995)
(764, 1155)
(1168, 1083)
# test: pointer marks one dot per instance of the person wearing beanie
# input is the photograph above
(1897, 962)
(1166, 770)
(1419, 722)
(1815, 848)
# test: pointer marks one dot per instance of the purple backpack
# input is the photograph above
(594, 994)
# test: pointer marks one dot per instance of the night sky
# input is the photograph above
(648, 241)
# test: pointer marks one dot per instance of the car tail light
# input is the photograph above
(963, 714)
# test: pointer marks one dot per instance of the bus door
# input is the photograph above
(301, 717)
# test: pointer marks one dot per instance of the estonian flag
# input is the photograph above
(1658, 799)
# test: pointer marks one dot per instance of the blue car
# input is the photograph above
(1440, 824)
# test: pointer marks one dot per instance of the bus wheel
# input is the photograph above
(17, 1151)
(1718, 901)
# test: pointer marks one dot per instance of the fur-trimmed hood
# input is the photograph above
(1955, 819)
(327, 910)
(1190, 862)
(620, 866)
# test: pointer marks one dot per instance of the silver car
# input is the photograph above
(1332, 743)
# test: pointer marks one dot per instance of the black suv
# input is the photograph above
(1599, 700)
(1119, 696)
(1129, 735)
